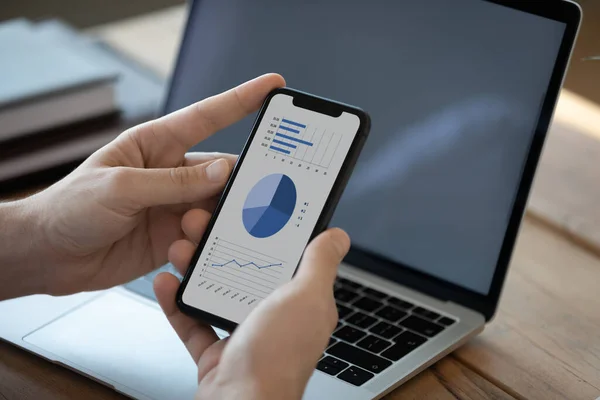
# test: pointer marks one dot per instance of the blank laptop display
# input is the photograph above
(454, 89)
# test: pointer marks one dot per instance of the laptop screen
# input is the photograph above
(454, 90)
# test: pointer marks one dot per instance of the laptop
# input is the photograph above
(461, 94)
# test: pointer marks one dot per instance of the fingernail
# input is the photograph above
(218, 171)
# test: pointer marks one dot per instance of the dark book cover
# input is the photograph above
(44, 157)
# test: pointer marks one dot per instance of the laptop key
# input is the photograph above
(328, 368)
(359, 357)
(349, 334)
(423, 312)
(373, 344)
(361, 320)
(403, 304)
(445, 321)
(421, 326)
(375, 293)
(385, 330)
(335, 362)
(410, 338)
(343, 311)
(349, 283)
(367, 304)
(391, 314)
(405, 343)
(344, 295)
(355, 376)
(332, 341)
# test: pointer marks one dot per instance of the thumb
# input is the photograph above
(162, 186)
(322, 257)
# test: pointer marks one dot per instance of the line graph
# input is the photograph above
(239, 271)
(234, 261)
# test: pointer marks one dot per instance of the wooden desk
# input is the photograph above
(545, 340)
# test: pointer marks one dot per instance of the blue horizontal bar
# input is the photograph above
(285, 128)
(287, 121)
(293, 139)
(281, 150)
(293, 146)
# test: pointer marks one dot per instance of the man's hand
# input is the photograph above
(114, 218)
(273, 353)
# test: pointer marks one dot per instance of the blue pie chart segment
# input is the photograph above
(269, 205)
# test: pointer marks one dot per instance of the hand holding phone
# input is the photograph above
(281, 194)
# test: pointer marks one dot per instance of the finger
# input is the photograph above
(195, 123)
(194, 223)
(195, 158)
(180, 255)
(163, 186)
(195, 336)
(210, 359)
(322, 257)
(210, 204)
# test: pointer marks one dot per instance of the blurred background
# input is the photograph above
(132, 46)
(82, 13)
(583, 76)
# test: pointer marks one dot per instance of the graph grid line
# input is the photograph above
(247, 250)
(242, 269)
(234, 261)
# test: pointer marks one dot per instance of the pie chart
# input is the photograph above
(269, 205)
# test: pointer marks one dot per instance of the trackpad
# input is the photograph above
(127, 342)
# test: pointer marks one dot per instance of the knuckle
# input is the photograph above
(181, 176)
(206, 119)
(120, 178)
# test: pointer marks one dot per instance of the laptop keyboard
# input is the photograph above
(374, 331)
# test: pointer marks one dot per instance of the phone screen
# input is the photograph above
(271, 209)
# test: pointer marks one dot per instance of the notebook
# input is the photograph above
(46, 83)
(51, 153)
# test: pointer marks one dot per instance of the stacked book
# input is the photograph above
(63, 95)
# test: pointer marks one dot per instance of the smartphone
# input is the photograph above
(282, 192)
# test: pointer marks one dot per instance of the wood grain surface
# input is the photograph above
(566, 192)
(24, 376)
(545, 340)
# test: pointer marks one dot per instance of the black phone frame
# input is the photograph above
(302, 100)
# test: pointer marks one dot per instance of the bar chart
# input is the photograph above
(303, 142)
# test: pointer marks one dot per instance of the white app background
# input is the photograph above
(271, 209)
